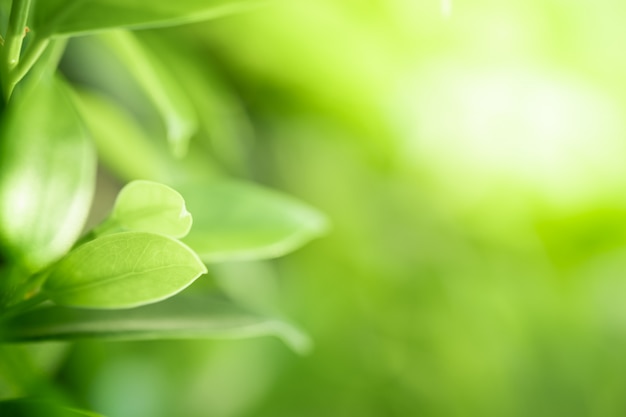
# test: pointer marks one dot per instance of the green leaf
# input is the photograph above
(5, 8)
(123, 270)
(30, 407)
(182, 317)
(224, 128)
(159, 85)
(127, 151)
(146, 206)
(239, 221)
(122, 145)
(66, 17)
(47, 175)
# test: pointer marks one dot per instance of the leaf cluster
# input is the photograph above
(62, 279)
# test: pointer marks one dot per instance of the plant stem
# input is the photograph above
(107, 226)
(31, 55)
(15, 32)
(24, 305)
(13, 41)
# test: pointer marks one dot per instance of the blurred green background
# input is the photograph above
(470, 156)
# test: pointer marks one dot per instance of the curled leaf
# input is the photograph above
(146, 206)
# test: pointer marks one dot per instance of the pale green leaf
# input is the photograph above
(240, 221)
(66, 17)
(120, 139)
(159, 85)
(224, 127)
(146, 206)
(47, 174)
(123, 270)
(181, 317)
(122, 145)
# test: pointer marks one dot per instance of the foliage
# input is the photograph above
(470, 156)
(64, 275)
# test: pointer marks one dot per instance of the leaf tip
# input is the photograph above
(296, 339)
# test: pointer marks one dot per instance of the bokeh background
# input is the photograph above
(470, 157)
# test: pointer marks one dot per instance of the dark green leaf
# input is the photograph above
(47, 175)
(29, 407)
(63, 17)
(181, 317)
(239, 221)
(123, 270)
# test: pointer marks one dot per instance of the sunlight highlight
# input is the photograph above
(446, 8)
(535, 129)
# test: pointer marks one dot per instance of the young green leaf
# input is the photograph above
(239, 221)
(159, 86)
(123, 270)
(47, 174)
(182, 317)
(66, 17)
(146, 206)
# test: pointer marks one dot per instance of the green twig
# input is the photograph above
(34, 50)
(15, 32)
(13, 41)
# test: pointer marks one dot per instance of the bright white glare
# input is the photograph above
(485, 128)
(22, 198)
(446, 8)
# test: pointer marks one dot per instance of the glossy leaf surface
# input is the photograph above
(146, 206)
(123, 270)
(239, 221)
(47, 174)
(180, 317)
(63, 17)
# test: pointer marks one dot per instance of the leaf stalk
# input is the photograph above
(13, 42)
